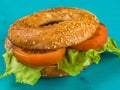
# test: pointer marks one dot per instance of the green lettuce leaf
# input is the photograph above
(23, 73)
(74, 61)
(111, 46)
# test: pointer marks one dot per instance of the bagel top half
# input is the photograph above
(53, 28)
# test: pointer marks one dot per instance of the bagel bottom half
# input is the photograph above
(48, 71)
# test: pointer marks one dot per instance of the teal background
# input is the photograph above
(104, 76)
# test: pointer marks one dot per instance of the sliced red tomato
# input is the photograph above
(97, 41)
(38, 59)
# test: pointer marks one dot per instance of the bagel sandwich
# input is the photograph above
(55, 42)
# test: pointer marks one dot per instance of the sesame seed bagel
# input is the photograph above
(53, 28)
(48, 71)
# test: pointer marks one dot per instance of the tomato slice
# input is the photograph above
(97, 41)
(38, 59)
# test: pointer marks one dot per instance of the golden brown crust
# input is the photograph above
(7, 44)
(37, 31)
(53, 71)
(48, 71)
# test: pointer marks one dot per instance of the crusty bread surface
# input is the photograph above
(53, 28)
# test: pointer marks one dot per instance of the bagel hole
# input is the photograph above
(51, 23)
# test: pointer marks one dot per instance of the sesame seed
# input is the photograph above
(60, 75)
(54, 46)
(33, 42)
(43, 38)
(48, 15)
(47, 47)
(26, 40)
